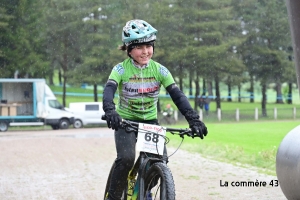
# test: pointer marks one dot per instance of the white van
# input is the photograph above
(87, 113)
(56, 116)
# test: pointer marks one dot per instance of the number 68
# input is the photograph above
(154, 138)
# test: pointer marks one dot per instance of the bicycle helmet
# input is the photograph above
(138, 31)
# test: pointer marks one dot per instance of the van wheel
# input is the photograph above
(77, 123)
(3, 126)
(64, 124)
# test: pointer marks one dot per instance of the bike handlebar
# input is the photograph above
(178, 131)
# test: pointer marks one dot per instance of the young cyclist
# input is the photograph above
(138, 80)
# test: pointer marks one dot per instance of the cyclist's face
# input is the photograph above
(142, 54)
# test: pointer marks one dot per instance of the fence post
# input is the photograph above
(219, 114)
(256, 114)
(237, 115)
(201, 114)
(176, 115)
(275, 113)
(294, 112)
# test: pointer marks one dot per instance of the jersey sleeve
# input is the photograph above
(167, 78)
(116, 73)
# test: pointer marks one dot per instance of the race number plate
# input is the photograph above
(151, 138)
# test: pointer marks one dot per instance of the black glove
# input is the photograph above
(113, 119)
(197, 126)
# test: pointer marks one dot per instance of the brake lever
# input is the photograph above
(189, 133)
(186, 132)
(128, 127)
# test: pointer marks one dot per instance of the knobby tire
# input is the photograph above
(159, 182)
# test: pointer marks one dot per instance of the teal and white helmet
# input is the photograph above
(138, 31)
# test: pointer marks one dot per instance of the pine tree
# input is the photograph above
(199, 38)
(4, 29)
(20, 44)
(64, 25)
(265, 50)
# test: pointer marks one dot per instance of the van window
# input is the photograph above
(91, 107)
(55, 104)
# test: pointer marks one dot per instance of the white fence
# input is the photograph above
(291, 114)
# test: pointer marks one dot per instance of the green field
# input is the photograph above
(250, 144)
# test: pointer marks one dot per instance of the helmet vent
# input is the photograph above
(126, 34)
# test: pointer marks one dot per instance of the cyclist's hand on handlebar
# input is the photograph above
(197, 126)
(113, 119)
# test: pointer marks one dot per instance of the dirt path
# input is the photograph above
(74, 164)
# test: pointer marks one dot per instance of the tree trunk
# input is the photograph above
(239, 92)
(209, 89)
(229, 98)
(204, 87)
(279, 98)
(290, 100)
(181, 84)
(197, 92)
(158, 106)
(191, 85)
(51, 79)
(64, 65)
(218, 97)
(51, 82)
(251, 90)
(95, 93)
(59, 77)
(64, 90)
(264, 100)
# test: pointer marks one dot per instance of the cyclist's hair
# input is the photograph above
(122, 47)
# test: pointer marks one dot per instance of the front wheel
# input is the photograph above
(64, 124)
(159, 183)
(3, 126)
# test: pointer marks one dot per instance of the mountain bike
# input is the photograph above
(150, 178)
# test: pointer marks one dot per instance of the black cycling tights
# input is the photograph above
(125, 146)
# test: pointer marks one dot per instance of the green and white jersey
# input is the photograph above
(139, 88)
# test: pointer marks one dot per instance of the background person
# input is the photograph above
(169, 113)
(206, 105)
(201, 102)
(138, 80)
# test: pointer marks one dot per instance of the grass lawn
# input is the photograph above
(252, 143)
